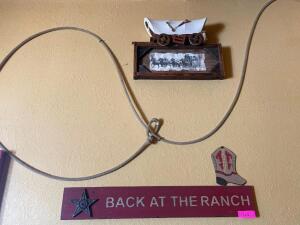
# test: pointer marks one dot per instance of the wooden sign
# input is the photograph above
(179, 62)
(158, 202)
(4, 164)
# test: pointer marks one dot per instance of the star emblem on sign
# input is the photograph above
(83, 204)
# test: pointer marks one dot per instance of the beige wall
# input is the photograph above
(62, 108)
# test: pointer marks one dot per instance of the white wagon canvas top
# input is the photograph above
(171, 27)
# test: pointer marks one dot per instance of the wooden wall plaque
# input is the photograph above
(81, 203)
(178, 62)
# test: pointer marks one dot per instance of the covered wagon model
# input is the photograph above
(165, 32)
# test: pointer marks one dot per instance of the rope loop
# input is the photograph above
(153, 128)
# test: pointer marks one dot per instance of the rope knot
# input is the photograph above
(153, 128)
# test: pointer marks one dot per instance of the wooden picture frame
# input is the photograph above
(178, 62)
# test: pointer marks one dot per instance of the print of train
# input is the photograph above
(167, 32)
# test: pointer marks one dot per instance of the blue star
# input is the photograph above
(83, 204)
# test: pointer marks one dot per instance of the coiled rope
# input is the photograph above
(152, 127)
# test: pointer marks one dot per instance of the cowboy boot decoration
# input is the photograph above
(224, 161)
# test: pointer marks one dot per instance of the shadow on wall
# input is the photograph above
(4, 166)
(213, 31)
(226, 51)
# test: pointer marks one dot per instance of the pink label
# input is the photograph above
(248, 214)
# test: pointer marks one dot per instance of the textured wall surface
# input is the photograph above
(62, 108)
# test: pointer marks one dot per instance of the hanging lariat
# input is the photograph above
(153, 126)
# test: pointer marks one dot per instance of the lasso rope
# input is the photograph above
(152, 127)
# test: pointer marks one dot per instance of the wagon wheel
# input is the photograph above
(164, 39)
(196, 39)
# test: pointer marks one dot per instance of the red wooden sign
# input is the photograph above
(154, 202)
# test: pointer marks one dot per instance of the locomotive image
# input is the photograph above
(167, 32)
